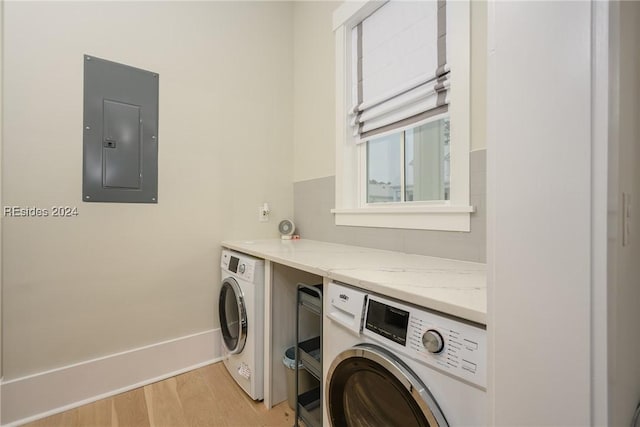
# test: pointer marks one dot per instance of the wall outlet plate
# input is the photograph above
(263, 214)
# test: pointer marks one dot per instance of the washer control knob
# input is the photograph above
(432, 341)
(242, 268)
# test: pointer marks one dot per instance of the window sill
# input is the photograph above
(440, 217)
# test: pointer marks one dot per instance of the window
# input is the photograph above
(402, 130)
(408, 166)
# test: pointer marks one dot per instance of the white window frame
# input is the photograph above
(351, 207)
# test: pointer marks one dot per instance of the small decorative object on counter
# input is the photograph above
(286, 229)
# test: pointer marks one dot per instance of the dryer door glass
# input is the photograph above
(233, 316)
(369, 386)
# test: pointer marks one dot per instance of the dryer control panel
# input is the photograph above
(240, 265)
(449, 345)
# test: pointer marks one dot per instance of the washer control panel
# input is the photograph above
(238, 264)
(449, 345)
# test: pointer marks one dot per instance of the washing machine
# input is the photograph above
(241, 308)
(395, 364)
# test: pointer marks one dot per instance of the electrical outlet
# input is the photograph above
(263, 213)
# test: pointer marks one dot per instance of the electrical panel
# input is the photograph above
(120, 133)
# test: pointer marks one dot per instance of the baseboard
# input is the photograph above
(46, 393)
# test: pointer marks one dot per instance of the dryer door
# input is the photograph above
(369, 386)
(233, 316)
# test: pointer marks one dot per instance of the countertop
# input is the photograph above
(458, 288)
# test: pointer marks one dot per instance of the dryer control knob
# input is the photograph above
(432, 341)
(242, 268)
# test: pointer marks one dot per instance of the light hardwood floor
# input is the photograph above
(204, 397)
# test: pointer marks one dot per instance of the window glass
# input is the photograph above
(383, 169)
(426, 160)
(426, 165)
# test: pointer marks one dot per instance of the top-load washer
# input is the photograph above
(396, 364)
(241, 309)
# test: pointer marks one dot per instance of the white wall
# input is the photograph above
(624, 268)
(120, 276)
(314, 77)
(539, 186)
(478, 75)
(314, 90)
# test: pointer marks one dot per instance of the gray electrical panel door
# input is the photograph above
(120, 133)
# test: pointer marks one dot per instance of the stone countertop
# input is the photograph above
(458, 288)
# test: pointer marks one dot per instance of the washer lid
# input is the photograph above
(368, 385)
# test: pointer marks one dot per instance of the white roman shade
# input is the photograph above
(400, 74)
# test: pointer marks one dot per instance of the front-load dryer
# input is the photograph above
(395, 364)
(241, 310)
